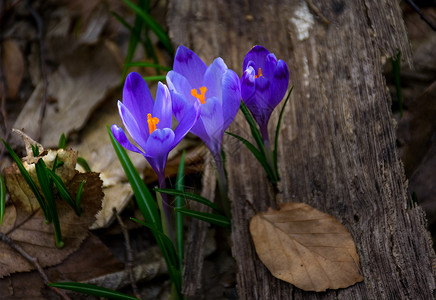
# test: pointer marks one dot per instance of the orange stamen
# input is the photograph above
(260, 74)
(152, 122)
(201, 96)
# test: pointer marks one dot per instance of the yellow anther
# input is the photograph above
(201, 96)
(152, 122)
(259, 73)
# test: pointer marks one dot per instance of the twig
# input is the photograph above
(421, 14)
(33, 261)
(129, 253)
(316, 10)
(40, 26)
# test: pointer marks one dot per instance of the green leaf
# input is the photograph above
(135, 36)
(145, 64)
(62, 142)
(155, 78)
(90, 289)
(276, 138)
(207, 217)
(2, 198)
(63, 191)
(29, 181)
(153, 25)
(259, 156)
(169, 250)
(254, 130)
(35, 150)
(191, 196)
(42, 172)
(79, 196)
(145, 200)
(179, 202)
(84, 164)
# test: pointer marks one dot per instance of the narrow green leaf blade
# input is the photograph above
(254, 130)
(191, 196)
(62, 142)
(179, 203)
(155, 78)
(63, 191)
(152, 24)
(42, 172)
(90, 289)
(207, 217)
(28, 179)
(169, 249)
(84, 164)
(143, 196)
(276, 138)
(2, 198)
(79, 196)
(259, 156)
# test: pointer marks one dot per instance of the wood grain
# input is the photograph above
(337, 148)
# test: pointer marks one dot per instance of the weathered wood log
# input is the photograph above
(337, 146)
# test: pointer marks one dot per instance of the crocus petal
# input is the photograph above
(137, 98)
(138, 135)
(179, 83)
(188, 64)
(162, 106)
(280, 83)
(257, 54)
(180, 105)
(158, 145)
(212, 118)
(270, 66)
(121, 137)
(213, 78)
(247, 85)
(231, 97)
(260, 107)
(188, 120)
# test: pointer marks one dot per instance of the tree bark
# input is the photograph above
(337, 148)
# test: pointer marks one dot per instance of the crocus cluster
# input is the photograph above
(203, 99)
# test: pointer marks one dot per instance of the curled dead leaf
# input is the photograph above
(305, 247)
(29, 230)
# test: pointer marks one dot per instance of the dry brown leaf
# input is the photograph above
(29, 230)
(18, 188)
(13, 64)
(305, 247)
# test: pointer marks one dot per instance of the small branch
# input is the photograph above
(40, 27)
(34, 262)
(129, 254)
(421, 14)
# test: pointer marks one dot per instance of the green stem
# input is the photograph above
(222, 183)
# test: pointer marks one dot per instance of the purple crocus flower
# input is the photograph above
(263, 85)
(149, 122)
(215, 88)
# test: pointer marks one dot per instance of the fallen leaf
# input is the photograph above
(18, 188)
(305, 247)
(13, 64)
(29, 230)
